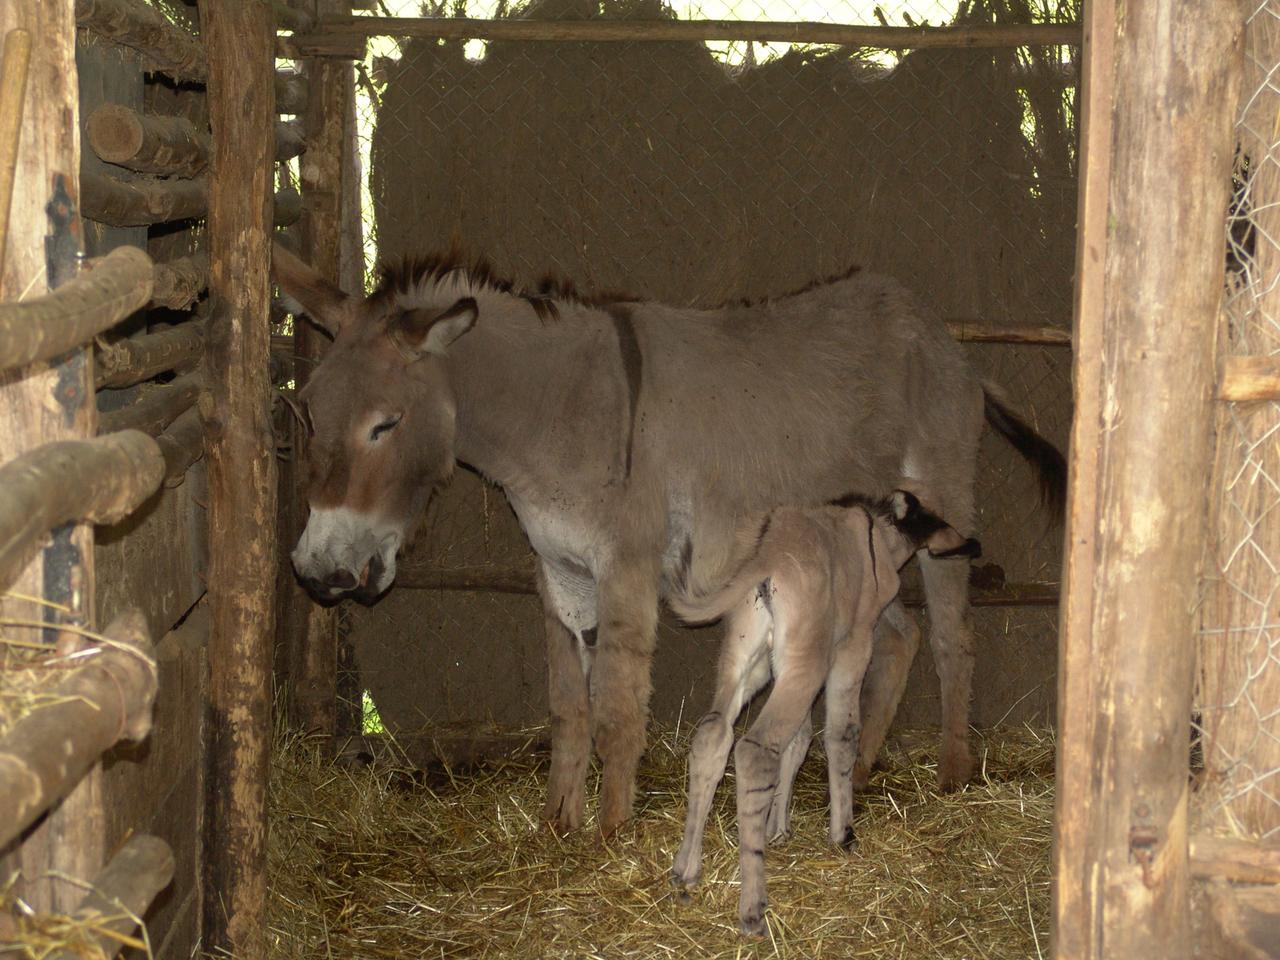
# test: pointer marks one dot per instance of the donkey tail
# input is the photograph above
(696, 608)
(1044, 457)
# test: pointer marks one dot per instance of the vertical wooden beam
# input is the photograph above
(239, 39)
(51, 401)
(1160, 86)
(329, 93)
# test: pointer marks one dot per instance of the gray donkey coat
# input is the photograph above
(630, 438)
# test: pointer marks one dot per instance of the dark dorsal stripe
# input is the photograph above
(632, 368)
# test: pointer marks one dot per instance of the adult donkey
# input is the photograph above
(630, 438)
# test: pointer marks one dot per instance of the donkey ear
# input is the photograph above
(327, 306)
(425, 331)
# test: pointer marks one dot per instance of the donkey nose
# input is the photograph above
(341, 580)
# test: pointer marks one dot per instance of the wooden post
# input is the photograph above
(1157, 126)
(50, 400)
(239, 37)
(314, 661)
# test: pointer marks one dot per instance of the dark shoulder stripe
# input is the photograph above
(632, 368)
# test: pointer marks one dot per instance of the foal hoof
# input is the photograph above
(849, 842)
(752, 925)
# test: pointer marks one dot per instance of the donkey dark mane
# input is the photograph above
(406, 275)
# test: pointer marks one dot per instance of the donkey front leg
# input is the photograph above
(620, 686)
(570, 724)
(757, 761)
(897, 640)
(946, 586)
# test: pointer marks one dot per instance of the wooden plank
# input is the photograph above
(106, 698)
(13, 92)
(980, 331)
(1157, 124)
(1250, 378)
(346, 36)
(41, 328)
(100, 480)
(240, 453)
(140, 26)
(1241, 859)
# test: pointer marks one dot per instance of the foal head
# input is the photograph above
(380, 412)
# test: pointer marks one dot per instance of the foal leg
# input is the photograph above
(848, 667)
(778, 826)
(757, 760)
(897, 639)
(946, 584)
(743, 671)
(621, 685)
(570, 723)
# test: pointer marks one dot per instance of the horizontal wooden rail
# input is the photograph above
(157, 406)
(520, 579)
(138, 25)
(1235, 858)
(121, 892)
(180, 282)
(126, 362)
(1250, 378)
(96, 300)
(146, 142)
(140, 203)
(106, 697)
(100, 481)
(978, 331)
(291, 92)
(346, 36)
(181, 444)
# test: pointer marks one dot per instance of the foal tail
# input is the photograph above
(696, 608)
(1044, 457)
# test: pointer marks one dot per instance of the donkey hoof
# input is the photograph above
(954, 771)
(848, 842)
(751, 924)
(683, 896)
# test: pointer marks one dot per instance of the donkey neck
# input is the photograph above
(536, 398)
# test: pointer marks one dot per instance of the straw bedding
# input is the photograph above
(386, 862)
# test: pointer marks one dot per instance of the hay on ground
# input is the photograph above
(387, 862)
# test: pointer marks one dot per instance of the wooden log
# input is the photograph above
(291, 92)
(141, 202)
(1239, 859)
(1157, 124)
(138, 25)
(289, 140)
(1247, 922)
(157, 406)
(45, 327)
(181, 444)
(121, 893)
(148, 143)
(240, 454)
(1250, 378)
(101, 481)
(126, 362)
(13, 92)
(179, 283)
(287, 208)
(105, 698)
(345, 37)
(291, 18)
(312, 643)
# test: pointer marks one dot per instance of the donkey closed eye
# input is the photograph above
(385, 426)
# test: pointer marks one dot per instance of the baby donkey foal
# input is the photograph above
(801, 609)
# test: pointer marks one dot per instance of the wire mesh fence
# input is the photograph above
(697, 172)
(1239, 695)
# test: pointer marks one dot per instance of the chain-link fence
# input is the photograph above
(698, 172)
(1240, 647)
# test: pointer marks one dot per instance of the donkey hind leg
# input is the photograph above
(570, 728)
(620, 687)
(743, 672)
(848, 667)
(946, 584)
(778, 826)
(897, 639)
(757, 760)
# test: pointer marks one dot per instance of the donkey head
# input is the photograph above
(380, 413)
